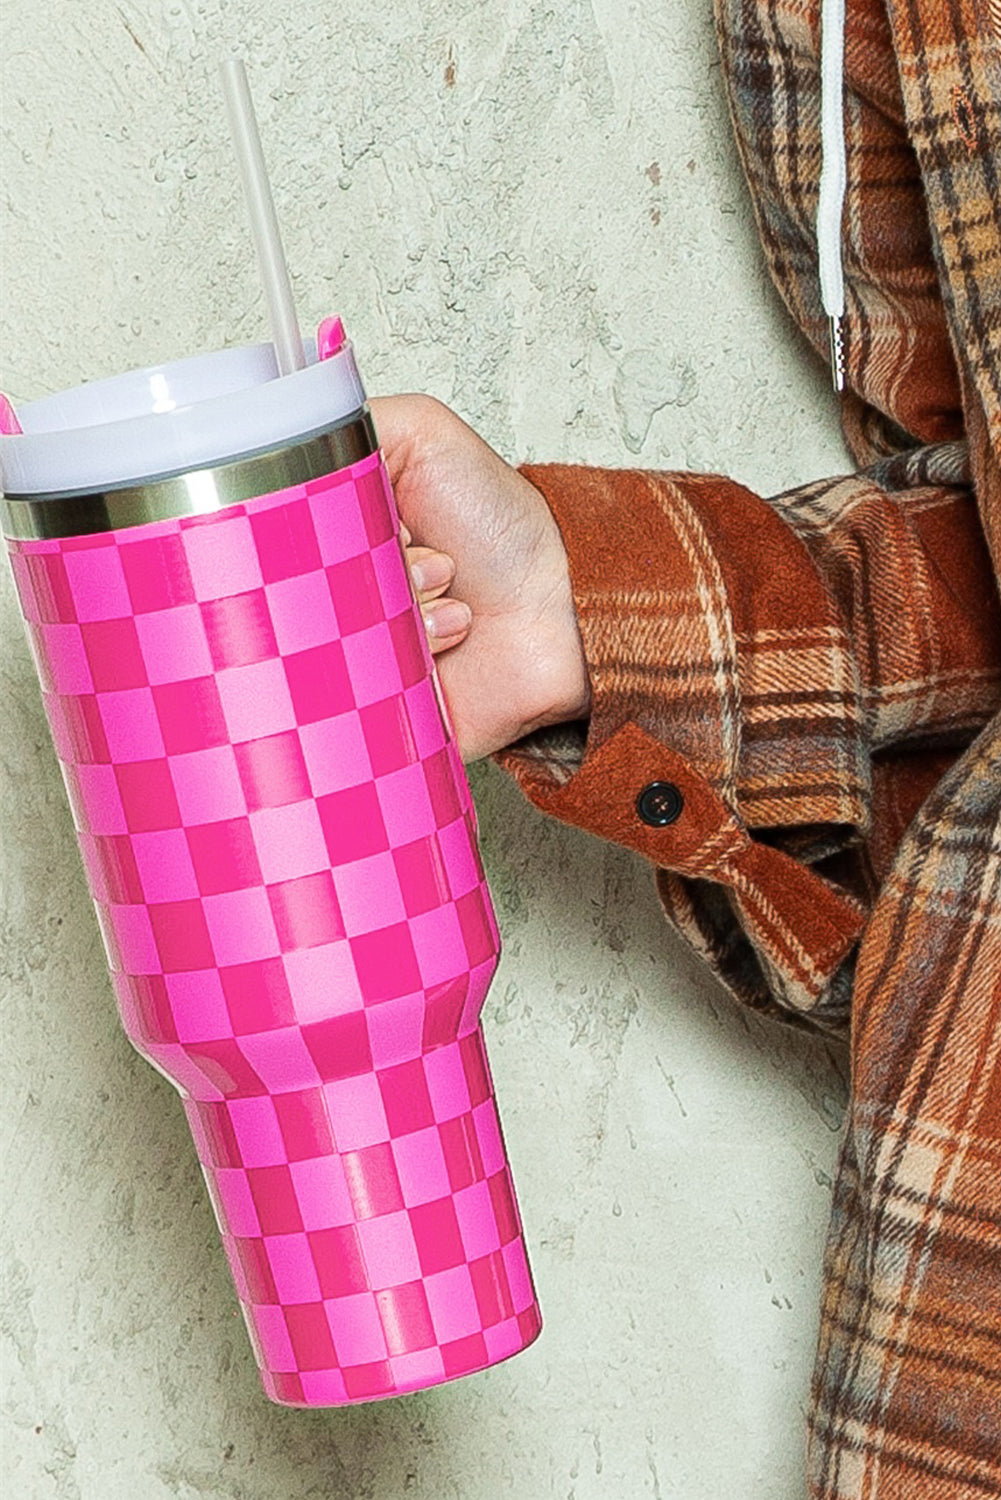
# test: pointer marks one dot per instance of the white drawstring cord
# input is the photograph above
(833, 178)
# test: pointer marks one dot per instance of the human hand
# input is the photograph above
(491, 574)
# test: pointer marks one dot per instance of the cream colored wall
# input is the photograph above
(532, 209)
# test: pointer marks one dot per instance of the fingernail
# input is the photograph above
(448, 617)
(432, 572)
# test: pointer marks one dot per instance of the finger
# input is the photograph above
(431, 571)
(447, 622)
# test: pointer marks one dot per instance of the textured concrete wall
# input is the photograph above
(533, 210)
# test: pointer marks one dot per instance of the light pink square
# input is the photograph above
(420, 1163)
(489, 1137)
(271, 1336)
(395, 1029)
(323, 1387)
(518, 1274)
(100, 802)
(241, 926)
(221, 556)
(322, 1191)
(368, 893)
(289, 841)
(439, 945)
(337, 520)
(393, 578)
(255, 699)
(198, 1006)
(446, 1083)
(97, 583)
(357, 1329)
(322, 980)
(425, 713)
(356, 1112)
(419, 1369)
(207, 784)
(164, 865)
(406, 806)
(335, 753)
(133, 939)
(291, 1262)
(460, 856)
(372, 665)
(183, 1071)
(477, 1220)
(453, 1305)
(280, 1058)
(237, 1205)
(389, 1250)
(65, 668)
(173, 644)
(257, 1131)
(302, 612)
(502, 1339)
(131, 725)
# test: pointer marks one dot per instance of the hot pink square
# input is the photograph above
(335, 753)
(395, 1029)
(156, 572)
(371, 664)
(191, 716)
(420, 1164)
(164, 865)
(322, 1191)
(465, 1355)
(442, 788)
(224, 856)
(213, 1121)
(322, 981)
(208, 785)
(479, 930)
(421, 871)
(338, 1260)
(285, 539)
(354, 589)
(436, 1231)
(309, 1333)
(131, 725)
(242, 927)
(410, 646)
(306, 912)
(305, 1128)
(98, 584)
(452, 1304)
(197, 1005)
(255, 700)
(115, 873)
(461, 1149)
(44, 586)
(474, 1066)
(443, 1016)
(502, 1198)
(181, 936)
(372, 1180)
(388, 1250)
(492, 1289)
(273, 1192)
(370, 1382)
(257, 1135)
(301, 612)
(256, 1267)
(319, 683)
(147, 796)
(257, 995)
(352, 825)
(388, 735)
(289, 842)
(112, 648)
(405, 1097)
(77, 728)
(356, 1111)
(292, 1268)
(272, 770)
(406, 1319)
(368, 891)
(221, 555)
(386, 964)
(357, 1330)
(173, 644)
(339, 1045)
(238, 629)
(377, 504)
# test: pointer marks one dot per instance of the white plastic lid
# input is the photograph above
(167, 419)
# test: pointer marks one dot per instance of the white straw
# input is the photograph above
(263, 220)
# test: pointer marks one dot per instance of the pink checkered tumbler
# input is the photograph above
(281, 847)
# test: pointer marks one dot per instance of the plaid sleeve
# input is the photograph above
(793, 668)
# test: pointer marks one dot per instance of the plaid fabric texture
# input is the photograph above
(819, 675)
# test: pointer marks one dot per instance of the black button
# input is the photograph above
(660, 803)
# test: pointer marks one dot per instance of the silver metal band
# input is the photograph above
(37, 517)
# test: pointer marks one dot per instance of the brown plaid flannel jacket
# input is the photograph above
(819, 675)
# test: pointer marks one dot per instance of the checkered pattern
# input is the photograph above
(281, 846)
